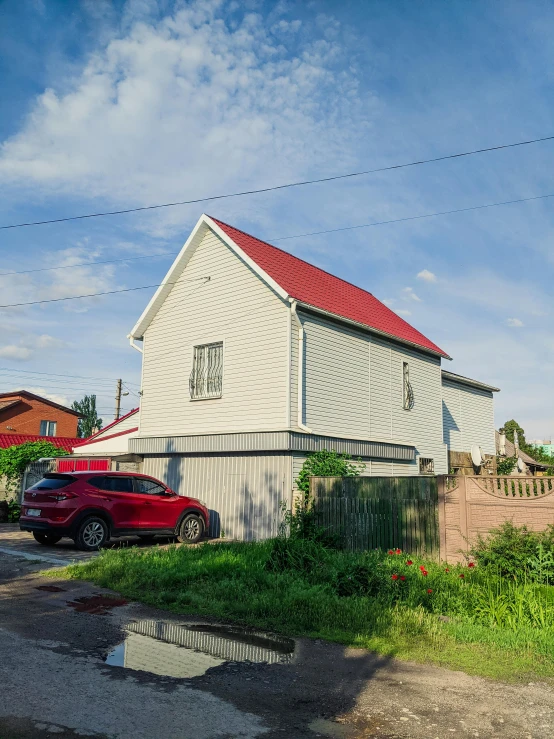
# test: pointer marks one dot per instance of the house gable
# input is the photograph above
(293, 279)
(217, 297)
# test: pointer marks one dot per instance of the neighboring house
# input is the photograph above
(23, 412)
(468, 420)
(506, 448)
(112, 440)
(545, 445)
(253, 358)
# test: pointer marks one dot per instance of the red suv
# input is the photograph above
(91, 507)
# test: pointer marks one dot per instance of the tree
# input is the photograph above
(323, 464)
(510, 427)
(15, 459)
(89, 422)
(534, 452)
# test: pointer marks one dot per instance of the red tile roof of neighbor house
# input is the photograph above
(315, 287)
(63, 442)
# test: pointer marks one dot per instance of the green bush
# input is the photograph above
(14, 511)
(517, 552)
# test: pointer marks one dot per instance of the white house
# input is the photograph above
(468, 413)
(112, 440)
(252, 358)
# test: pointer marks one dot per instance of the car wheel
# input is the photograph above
(47, 540)
(92, 534)
(191, 529)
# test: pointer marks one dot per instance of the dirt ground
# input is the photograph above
(56, 681)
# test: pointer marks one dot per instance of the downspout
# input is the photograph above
(300, 423)
(132, 343)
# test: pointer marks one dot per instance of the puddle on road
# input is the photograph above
(185, 651)
(99, 605)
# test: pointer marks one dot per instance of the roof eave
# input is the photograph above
(452, 377)
(365, 327)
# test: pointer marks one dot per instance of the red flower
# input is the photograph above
(422, 568)
(399, 551)
(390, 551)
(462, 575)
(409, 562)
(429, 590)
(447, 570)
(471, 564)
(402, 577)
(424, 572)
(394, 577)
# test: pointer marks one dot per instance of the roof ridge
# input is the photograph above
(314, 266)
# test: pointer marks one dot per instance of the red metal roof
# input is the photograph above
(309, 284)
(63, 442)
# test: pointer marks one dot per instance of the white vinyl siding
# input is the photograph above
(468, 417)
(336, 374)
(234, 307)
(354, 387)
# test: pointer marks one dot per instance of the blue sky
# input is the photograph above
(120, 104)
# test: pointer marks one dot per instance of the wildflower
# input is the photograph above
(447, 570)
(424, 573)
(462, 575)
(429, 590)
(422, 568)
(402, 577)
(471, 564)
(409, 562)
(399, 551)
(394, 577)
(390, 551)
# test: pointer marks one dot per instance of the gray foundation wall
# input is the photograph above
(244, 492)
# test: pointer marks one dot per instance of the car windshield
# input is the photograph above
(52, 483)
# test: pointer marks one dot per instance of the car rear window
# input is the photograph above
(113, 484)
(52, 483)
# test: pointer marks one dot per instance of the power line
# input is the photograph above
(285, 238)
(52, 374)
(416, 218)
(86, 264)
(310, 233)
(94, 295)
(301, 183)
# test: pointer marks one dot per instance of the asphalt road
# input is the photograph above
(55, 682)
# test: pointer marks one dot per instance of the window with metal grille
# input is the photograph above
(206, 378)
(407, 392)
(426, 466)
(48, 428)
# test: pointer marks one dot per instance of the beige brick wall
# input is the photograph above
(470, 506)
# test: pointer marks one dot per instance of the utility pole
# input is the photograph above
(117, 399)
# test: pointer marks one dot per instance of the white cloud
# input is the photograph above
(402, 312)
(514, 322)
(427, 276)
(188, 106)
(409, 294)
(12, 351)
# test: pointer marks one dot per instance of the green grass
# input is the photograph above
(494, 627)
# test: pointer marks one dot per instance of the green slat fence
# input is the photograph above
(379, 512)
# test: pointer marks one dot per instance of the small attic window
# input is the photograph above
(206, 378)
